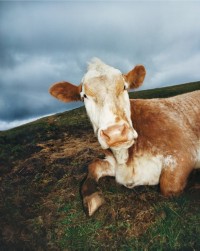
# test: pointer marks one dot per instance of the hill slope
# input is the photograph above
(166, 92)
(42, 165)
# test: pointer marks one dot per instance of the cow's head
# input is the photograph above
(104, 91)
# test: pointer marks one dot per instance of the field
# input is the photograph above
(42, 166)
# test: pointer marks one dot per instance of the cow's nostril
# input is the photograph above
(105, 135)
(124, 129)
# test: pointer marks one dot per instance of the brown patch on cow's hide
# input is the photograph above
(173, 180)
(157, 133)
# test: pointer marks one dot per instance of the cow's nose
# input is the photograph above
(115, 134)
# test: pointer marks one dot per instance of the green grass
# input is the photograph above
(174, 229)
(78, 231)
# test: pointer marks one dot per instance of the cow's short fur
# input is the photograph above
(148, 141)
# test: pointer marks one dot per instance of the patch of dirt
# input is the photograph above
(30, 187)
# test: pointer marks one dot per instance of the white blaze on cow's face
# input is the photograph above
(104, 90)
(107, 103)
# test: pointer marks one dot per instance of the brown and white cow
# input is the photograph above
(149, 141)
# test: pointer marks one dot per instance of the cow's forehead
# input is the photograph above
(101, 76)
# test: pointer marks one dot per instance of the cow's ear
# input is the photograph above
(135, 77)
(65, 91)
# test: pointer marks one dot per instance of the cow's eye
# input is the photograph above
(83, 96)
(126, 87)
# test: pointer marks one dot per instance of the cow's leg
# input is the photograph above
(92, 197)
(174, 179)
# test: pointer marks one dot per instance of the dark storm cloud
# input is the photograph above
(44, 42)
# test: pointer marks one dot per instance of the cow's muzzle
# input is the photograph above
(118, 135)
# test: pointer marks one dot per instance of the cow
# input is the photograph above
(146, 142)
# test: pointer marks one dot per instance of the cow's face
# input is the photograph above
(104, 91)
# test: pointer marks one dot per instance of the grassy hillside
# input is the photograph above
(166, 91)
(42, 165)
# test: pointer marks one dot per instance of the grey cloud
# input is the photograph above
(44, 42)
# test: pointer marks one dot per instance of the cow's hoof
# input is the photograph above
(92, 203)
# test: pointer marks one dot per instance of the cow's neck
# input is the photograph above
(121, 155)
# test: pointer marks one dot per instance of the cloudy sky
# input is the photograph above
(42, 42)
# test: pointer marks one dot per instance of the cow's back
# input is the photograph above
(187, 107)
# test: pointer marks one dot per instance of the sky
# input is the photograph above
(42, 42)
